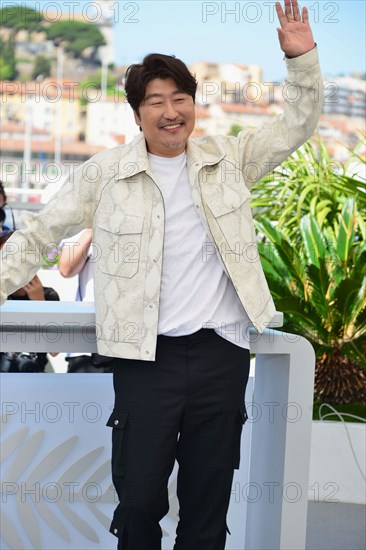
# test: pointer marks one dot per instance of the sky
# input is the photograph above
(225, 32)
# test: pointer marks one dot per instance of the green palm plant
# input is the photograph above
(317, 276)
(310, 181)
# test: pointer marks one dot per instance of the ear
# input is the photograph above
(137, 119)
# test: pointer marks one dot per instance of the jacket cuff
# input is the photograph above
(303, 62)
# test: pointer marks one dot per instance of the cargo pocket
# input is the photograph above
(240, 420)
(119, 424)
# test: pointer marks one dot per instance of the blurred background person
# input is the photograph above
(7, 221)
(77, 259)
(27, 361)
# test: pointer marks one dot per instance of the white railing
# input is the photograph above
(56, 488)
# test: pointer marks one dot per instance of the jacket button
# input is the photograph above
(116, 422)
(115, 531)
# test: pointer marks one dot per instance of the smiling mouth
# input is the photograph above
(171, 127)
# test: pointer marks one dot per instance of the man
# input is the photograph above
(176, 274)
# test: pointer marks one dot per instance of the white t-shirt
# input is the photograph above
(195, 290)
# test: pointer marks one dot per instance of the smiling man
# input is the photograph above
(178, 283)
(166, 114)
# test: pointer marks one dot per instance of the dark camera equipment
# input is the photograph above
(20, 362)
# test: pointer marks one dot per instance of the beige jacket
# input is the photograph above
(115, 194)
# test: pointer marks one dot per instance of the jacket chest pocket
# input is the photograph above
(119, 238)
(232, 214)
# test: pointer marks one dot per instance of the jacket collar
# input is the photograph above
(134, 157)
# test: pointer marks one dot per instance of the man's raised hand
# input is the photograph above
(295, 35)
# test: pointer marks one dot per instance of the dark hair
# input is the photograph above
(156, 65)
(2, 211)
(2, 191)
(4, 237)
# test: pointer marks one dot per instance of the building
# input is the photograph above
(110, 122)
(345, 96)
(226, 82)
(28, 160)
(51, 106)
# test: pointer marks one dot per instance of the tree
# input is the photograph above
(95, 81)
(8, 69)
(15, 19)
(19, 18)
(42, 66)
(76, 37)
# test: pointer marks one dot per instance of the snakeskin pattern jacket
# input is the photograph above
(115, 194)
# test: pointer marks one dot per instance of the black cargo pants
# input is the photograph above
(187, 405)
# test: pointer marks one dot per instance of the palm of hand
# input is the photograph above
(296, 38)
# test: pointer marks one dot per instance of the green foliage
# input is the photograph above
(95, 81)
(42, 66)
(76, 36)
(310, 182)
(234, 130)
(52, 258)
(17, 18)
(313, 251)
(320, 282)
(7, 61)
(348, 413)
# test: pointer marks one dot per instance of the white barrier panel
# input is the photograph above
(56, 487)
(271, 506)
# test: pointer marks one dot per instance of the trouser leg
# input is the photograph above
(143, 503)
(196, 389)
(209, 443)
(149, 400)
(204, 496)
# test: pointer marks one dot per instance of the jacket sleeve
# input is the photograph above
(262, 149)
(69, 211)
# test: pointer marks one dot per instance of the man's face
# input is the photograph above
(167, 118)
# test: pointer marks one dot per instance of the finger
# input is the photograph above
(305, 16)
(281, 16)
(288, 10)
(296, 10)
